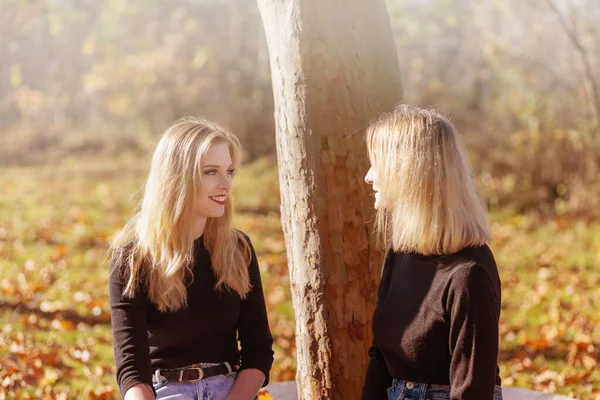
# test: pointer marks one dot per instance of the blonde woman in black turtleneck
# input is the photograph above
(436, 322)
(184, 283)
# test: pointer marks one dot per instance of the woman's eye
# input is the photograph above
(210, 172)
(230, 172)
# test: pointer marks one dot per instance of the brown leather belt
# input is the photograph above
(192, 373)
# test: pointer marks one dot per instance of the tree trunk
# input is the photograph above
(334, 67)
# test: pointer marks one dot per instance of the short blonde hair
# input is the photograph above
(155, 250)
(428, 201)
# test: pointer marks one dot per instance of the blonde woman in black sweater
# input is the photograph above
(184, 284)
(436, 322)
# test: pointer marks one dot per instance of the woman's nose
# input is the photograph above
(369, 176)
(225, 183)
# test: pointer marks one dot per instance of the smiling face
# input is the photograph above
(217, 173)
(371, 179)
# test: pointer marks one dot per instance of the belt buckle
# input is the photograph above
(200, 374)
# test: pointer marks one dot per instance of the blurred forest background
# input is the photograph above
(86, 87)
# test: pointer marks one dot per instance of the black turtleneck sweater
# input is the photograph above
(207, 330)
(436, 321)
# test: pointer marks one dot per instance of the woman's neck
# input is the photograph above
(199, 225)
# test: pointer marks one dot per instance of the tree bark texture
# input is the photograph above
(334, 67)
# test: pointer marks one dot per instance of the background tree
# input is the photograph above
(334, 67)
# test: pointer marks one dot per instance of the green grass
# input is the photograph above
(56, 222)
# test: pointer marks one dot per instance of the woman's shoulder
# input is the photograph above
(122, 251)
(241, 233)
(474, 266)
(469, 257)
(461, 258)
(121, 259)
(483, 258)
(242, 237)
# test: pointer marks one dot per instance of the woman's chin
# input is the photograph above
(212, 213)
(218, 213)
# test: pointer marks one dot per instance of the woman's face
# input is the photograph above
(217, 173)
(371, 179)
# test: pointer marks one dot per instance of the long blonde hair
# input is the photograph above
(428, 201)
(155, 249)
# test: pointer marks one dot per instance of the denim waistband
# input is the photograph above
(416, 385)
(408, 390)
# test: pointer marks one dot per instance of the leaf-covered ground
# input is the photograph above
(55, 339)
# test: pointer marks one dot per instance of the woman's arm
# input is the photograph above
(254, 335)
(141, 391)
(474, 305)
(130, 336)
(247, 384)
(377, 379)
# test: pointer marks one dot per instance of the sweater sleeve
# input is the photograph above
(253, 326)
(377, 379)
(474, 306)
(130, 336)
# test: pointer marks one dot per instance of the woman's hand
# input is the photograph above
(247, 384)
(141, 391)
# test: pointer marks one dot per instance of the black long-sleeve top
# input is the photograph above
(207, 330)
(436, 321)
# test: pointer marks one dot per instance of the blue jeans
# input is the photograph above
(404, 390)
(213, 388)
